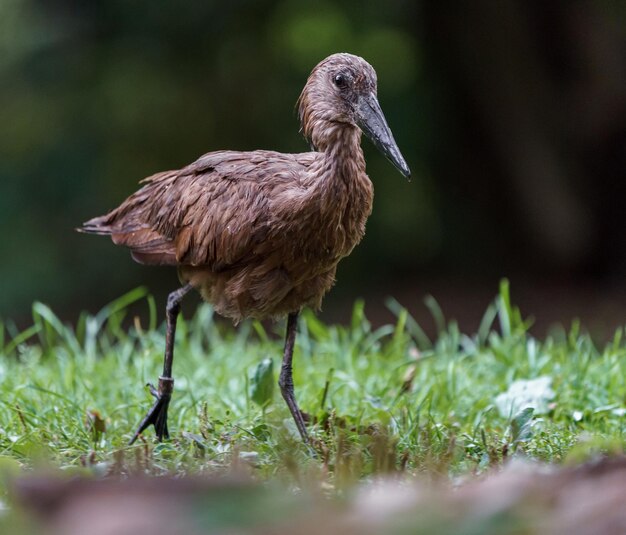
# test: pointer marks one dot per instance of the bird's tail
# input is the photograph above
(97, 225)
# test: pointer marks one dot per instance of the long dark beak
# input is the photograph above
(371, 120)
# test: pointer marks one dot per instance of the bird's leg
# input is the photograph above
(157, 415)
(286, 378)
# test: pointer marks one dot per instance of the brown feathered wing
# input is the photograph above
(214, 212)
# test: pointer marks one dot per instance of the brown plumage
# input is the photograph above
(260, 233)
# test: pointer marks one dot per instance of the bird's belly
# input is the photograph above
(261, 291)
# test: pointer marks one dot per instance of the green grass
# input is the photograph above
(383, 400)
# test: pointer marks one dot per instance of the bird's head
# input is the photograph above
(341, 92)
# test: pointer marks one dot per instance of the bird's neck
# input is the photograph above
(341, 190)
(340, 193)
(343, 158)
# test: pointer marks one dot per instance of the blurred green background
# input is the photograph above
(511, 114)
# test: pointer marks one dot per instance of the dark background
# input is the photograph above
(511, 114)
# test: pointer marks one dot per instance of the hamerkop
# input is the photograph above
(259, 234)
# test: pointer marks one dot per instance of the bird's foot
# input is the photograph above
(157, 415)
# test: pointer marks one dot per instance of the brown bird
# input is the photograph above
(259, 234)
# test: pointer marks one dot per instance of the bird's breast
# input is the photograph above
(331, 223)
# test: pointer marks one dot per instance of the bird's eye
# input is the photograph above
(340, 80)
